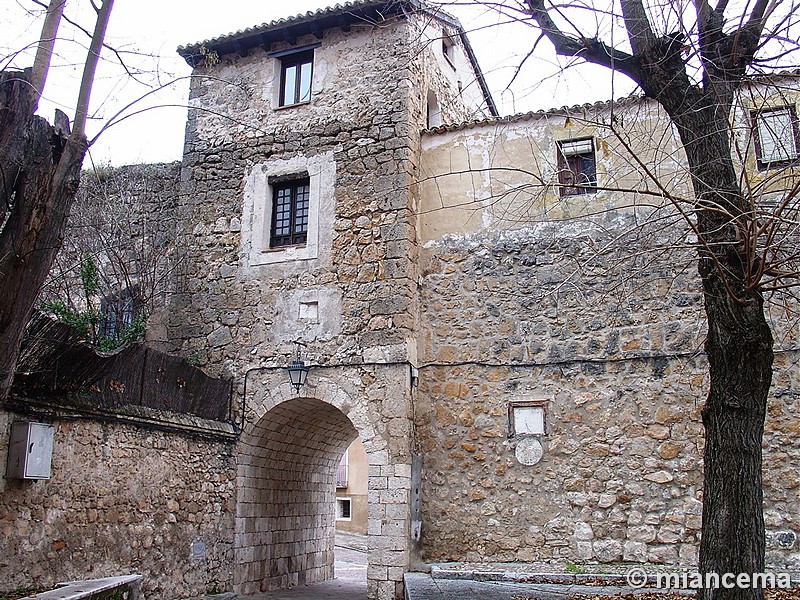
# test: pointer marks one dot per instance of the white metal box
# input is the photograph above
(30, 450)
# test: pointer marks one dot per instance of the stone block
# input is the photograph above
(606, 550)
(583, 531)
(634, 551)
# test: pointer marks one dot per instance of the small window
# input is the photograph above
(576, 167)
(342, 471)
(434, 113)
(296, 70)
(527, 418)
(776, 137)
(449, 50)
(343, 509)
(118, 312)
(290, 203)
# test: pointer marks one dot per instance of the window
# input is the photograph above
(296, 71)
(776, 136)
(527, 418)
(343, 509)
(118, 312)
(258, 212)
(576, 167)
(434, 113)
(449, 50)
(341, 472)
(290, 204)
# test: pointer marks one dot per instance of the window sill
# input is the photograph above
(282, 254)
(777, 165)
(586, 193)
(282, 248)
(296, 104)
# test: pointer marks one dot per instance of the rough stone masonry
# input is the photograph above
(446, 294)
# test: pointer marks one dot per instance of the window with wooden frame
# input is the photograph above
(290, 204)
(776, 135)
(449, 49)
(577, 173)
(296, 71)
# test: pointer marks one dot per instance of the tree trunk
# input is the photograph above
(739, 348)
(43, 169)
(16, 106)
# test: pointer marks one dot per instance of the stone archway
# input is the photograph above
(286, 504)
(285, 515)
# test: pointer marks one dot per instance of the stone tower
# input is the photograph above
(302, 149)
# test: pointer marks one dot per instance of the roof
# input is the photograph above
(342, 16)
(531, 115)
(601, 105)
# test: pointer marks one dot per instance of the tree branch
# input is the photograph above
(638, 27)
(92, 58)
(590, 49)
(44, 51)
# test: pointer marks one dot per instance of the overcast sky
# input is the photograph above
(149, 31)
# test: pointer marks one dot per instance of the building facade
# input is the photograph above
(513, 301)
(504, 311)
(301, 160)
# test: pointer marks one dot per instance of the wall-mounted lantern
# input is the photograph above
(298, 371)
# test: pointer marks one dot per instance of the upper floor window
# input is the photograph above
(577, 172)
(776, 136)
(296, 70)
(449, 50)
(290, 210)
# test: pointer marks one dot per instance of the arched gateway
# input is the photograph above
(285, 515)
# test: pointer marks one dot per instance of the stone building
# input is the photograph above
(505, 311)
(352, 490)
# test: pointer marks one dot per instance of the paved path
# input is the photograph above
(350, 582)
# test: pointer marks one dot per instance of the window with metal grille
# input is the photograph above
(576, 167)
(296, 72)
(290, 202)
(776, 136)
(343, 509)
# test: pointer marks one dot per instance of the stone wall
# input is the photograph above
(590, 306)
(121, 499)
(126, 219)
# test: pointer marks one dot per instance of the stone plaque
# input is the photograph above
(529, 451)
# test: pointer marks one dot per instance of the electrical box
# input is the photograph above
(30, 450)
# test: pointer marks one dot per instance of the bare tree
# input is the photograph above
(693, 60)
(121, 247)
(40, 169)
